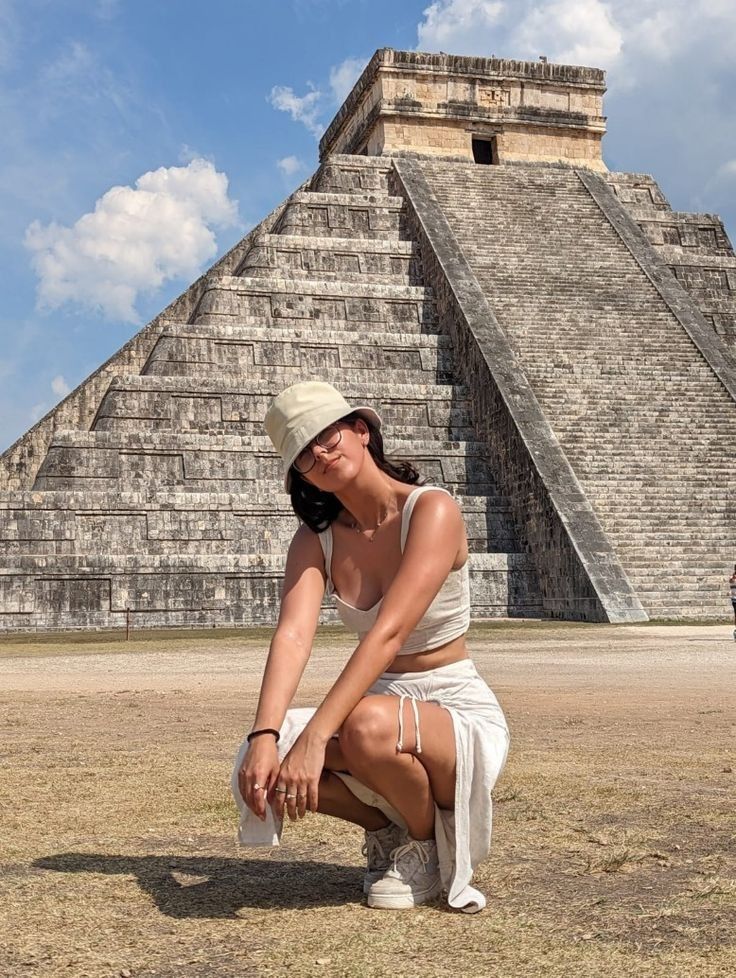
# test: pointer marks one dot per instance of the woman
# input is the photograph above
(409, 740)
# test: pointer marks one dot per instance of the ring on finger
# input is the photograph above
(256, 787)
(281, 791)
(292, 796)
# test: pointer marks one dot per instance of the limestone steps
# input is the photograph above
(651, 488)
(702, 258)
(675, 562)
(160, 523)
(302, 331)
(352, 174)
(684, 605)
(193, 349)
(158, 402)
(358, 278)
(272, 301)
(350, 259)
(351, 215)
(152, 441)
(108, 459)
(186, 403)
(640, 474)
(403, 324)
(275, 284)
(94, 591)
(641, 416)
(232, 563)
(236, 353)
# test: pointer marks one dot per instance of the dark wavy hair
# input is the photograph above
(319, 509)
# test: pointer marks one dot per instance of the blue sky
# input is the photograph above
(203, 117)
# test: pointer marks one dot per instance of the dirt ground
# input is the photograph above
(614, 839)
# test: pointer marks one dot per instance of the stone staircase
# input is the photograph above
(694, 246)
(648, 428)
(171, 505)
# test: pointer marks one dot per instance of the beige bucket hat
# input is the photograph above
(301, 412)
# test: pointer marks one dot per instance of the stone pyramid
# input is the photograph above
(548, 340)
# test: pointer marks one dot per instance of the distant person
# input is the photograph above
(409, 740)
(732, 588)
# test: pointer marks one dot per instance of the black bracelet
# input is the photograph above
(257, 733)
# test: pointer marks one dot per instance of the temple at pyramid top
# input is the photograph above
(490, 110)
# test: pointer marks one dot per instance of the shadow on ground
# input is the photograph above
(228, 885)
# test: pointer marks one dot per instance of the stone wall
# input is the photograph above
(448, 138)
(434, 104)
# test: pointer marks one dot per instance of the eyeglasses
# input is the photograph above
(327, 439)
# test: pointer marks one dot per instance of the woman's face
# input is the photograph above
(335, 456)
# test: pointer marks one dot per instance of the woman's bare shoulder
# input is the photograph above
(305, 543)
(437, 516)
(440, 503)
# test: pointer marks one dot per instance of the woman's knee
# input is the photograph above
(369, 729)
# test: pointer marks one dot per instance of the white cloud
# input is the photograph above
(59, 386)
(290, 165)
(568, 31)
(625, 36)
(344, 76)
(456, 26)
(136, 239)
(578, 32)
(307, 109)
(304, 108)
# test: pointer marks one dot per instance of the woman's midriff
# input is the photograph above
(443, 655)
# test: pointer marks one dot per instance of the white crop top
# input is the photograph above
(447, 617)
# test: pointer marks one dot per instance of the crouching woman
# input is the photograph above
(409, 740)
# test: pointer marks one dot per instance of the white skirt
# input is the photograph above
(481, 744)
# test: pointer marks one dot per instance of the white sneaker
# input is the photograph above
(412, 878)
(377, 849)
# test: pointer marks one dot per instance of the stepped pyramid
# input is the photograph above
(547, 339)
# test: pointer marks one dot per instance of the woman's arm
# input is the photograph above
(435, 534)
(291, 646)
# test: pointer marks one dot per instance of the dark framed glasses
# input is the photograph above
(328, 439)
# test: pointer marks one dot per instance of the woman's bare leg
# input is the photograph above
(337, 800)
(412, 783)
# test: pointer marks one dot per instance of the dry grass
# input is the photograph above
(614, 839)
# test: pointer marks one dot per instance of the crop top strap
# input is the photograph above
(409, 509)
(325, 541)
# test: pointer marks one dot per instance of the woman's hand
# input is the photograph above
(296, 790)
(258, 773)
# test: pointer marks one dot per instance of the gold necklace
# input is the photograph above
(371, 529)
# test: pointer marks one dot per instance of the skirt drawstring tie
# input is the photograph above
(400, 744)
